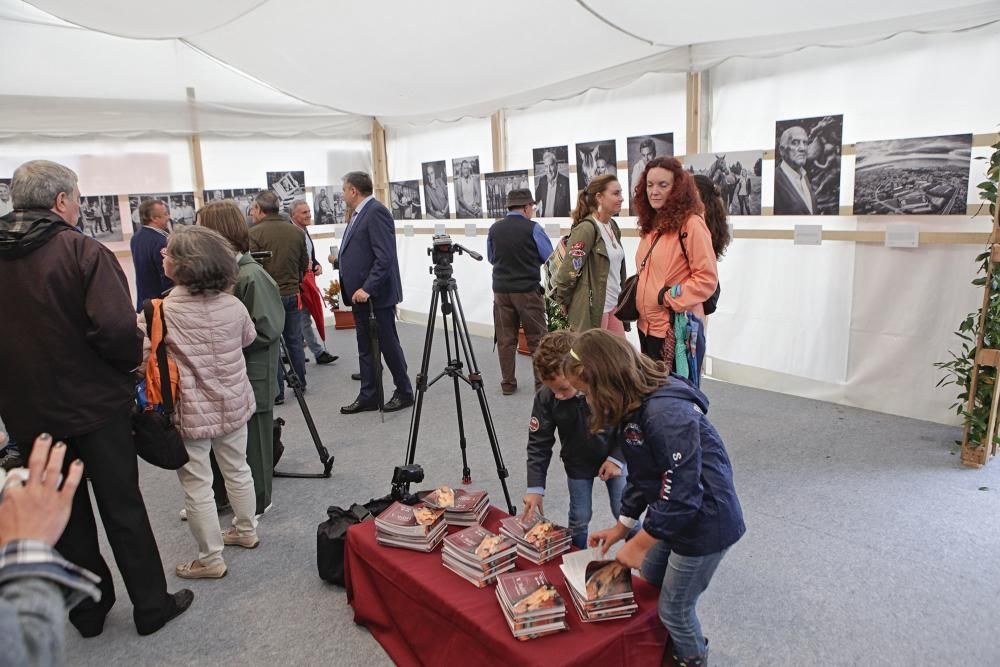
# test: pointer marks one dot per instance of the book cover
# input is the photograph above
(535, 531)
(478, 544)
(400, 519)
(529, 594)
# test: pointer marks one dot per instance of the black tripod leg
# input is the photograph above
(477, 383)
(425, 360)
(455, 363)
(296, 384)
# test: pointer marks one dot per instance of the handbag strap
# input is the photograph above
(648, 253)
(161, 353)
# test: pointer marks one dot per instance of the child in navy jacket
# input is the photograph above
(678, 471)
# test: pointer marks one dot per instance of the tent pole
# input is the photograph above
(694, 113)
(380, 163)
(498, 124)
(195, 146)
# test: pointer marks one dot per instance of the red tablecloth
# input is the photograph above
(423, 614)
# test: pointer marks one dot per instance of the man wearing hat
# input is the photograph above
(516, 247)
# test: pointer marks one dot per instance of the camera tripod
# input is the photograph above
(295, 384)
(457, 347)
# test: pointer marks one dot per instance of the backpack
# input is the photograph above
(555, 261)
(156, 438)
(331, 535)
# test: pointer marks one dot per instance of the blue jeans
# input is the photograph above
(682, 580)
(293, 341)
(581, 504)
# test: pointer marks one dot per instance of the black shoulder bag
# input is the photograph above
(627, 310)
(712, 303)
(156, 439)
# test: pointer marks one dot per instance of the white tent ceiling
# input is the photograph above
(300, 66)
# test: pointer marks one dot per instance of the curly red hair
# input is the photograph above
(682, 202)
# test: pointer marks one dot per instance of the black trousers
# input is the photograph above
(111, 466)
(391, 350)
(651, 346)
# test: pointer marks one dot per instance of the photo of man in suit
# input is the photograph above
(807, 168)
(793, 193)
(369, 272)
(551, 185)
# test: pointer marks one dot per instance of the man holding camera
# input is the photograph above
(369, 273)
(516, 247)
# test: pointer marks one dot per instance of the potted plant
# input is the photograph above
(343, 319)
(975, 327)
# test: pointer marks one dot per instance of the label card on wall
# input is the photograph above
(407, 230)
(439, 229)
(471, 229)
(902, 235)
(808, 234)
(552, 230)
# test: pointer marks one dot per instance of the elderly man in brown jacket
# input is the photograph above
(68, 347)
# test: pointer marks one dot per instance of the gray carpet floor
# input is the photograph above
(867, 542)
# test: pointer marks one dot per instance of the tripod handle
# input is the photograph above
(471, 253)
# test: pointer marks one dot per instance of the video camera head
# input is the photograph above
(443, 249)
(402, 477)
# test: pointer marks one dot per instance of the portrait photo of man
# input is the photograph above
(436, 190)
(552, 181)
(807, 166)
(468, 190)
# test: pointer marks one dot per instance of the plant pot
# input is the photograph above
(522, 343)
(343, 319)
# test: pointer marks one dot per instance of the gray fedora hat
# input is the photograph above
(521, 197)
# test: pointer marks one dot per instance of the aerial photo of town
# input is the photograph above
(926, 176)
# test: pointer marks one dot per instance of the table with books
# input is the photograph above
(472, 585)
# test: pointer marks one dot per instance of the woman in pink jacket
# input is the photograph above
(207, 329)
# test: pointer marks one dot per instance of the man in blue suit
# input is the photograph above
(369, 271)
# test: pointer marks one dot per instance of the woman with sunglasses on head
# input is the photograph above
(677, 266)
(590, 278)
(678, 472)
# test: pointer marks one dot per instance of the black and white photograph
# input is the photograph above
(925, 176)
(180, 207)
(99, 218)
(328, 205)
(468, 189)
(436, 190)
(552, 181)
(641, 150)
(498, 186)
(288, 185)
(736, 174)
(6, 205)
(243, 197)
(595, 158)
(807, 155)
(405, 199)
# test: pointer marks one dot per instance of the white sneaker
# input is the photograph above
(183, 514)
(266, 510)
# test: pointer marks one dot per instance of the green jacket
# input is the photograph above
(582, 281)
(259, 293)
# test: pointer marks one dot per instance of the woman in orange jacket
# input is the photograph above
(680, 266)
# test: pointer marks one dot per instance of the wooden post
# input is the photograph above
(977, 454)
(498, 125)
(694, 113)
(380, 163)
(195, 145)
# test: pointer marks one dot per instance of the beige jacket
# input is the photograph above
(205, 338)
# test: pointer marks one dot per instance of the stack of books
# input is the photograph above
(411, 527)
(461, 508)
(538, 539)
(531, 604)
(601, 590)
(477, 555)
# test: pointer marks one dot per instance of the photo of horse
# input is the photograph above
(737, 175)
